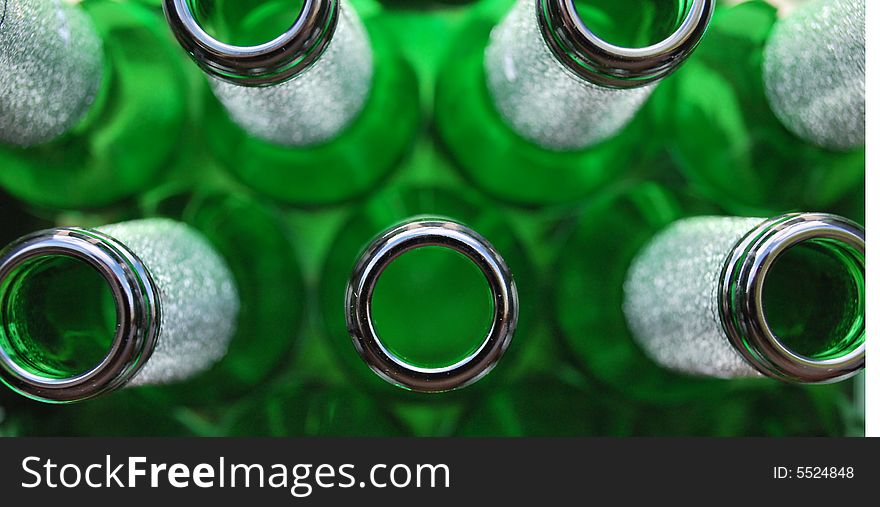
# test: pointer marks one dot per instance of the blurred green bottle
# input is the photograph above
(722, 129)
(9, 426)
(319, 115)
(533, 113)
(777, 410)
(254, 239)
(545, 406)
(424, 4)
(80, 85)
(16, 220)
(555, 407)
(310, 410)
(127, 413)
(432, 305)
(603, 238)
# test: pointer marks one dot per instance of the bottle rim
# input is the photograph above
(266, 64)
(419, 233)
(135, 295)
(612, 66)
(741, 300)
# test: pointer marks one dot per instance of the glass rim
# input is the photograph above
(419, 233)
(272, 62)
(741, 305)
(135, 296)
(605, 64)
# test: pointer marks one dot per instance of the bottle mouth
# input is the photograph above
(269, 63)
(432, 307)
(420, 233)
(603, 63)
(791, 298)
(62, 265)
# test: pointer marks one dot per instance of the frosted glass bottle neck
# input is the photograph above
(51, 69)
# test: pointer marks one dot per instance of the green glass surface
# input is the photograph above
(814, 300)
(253, 240)
(635, 23)
(500, 162)
(8, 423)
(432, 307)
(60, 317)
(774, 410)
(424, 4)
(127, 413)
(726, 139)
(127, 139)
(16, 220)
(348, 166)
(546, 407)
(314, 411)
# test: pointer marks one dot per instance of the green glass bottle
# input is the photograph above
(852, 409)
(76, 97)
(543, 110)
(9, 423)
(604, 236)
(152, 3)
(720, 118)
(609, 336)
(431, 306)
(780, 410)
(128, 413)
(305, 94)
(308, 410)
(16, 221)
(547, 407)
(423, 4)
(88, 311)
(741, 297)
(255, 241)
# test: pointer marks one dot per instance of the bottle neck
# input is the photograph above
(791, 298)
(824, 108)
(601, 62)
(51, 71)
(269, 63)
(52, 284)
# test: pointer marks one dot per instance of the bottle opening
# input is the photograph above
(634, 23)
(813, 299)
(791, 297)
(246, 23)
(58, 316)
(432, 307)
